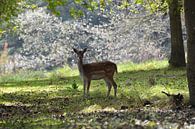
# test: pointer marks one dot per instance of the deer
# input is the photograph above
(96, 71)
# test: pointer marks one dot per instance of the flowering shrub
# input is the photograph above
(44, 37)
(48, 41)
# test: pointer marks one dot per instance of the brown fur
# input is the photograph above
(95, 71)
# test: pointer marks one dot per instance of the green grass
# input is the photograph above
(33, 99)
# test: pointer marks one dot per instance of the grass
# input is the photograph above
(33, 99)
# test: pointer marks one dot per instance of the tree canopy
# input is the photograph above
(8, 8)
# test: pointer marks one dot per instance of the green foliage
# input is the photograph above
(8, 8)
(2, 32)
(30, 6)
(52, 4)
(157, 5)
(102, 4)
(75, 86)
(78, 1)
(154, 5)
(139, 2)
(92, 5)
(125, 4)
(76, 13)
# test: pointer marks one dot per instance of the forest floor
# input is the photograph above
(55, 99)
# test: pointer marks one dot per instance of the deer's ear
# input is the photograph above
(84, 50)
(75, 50)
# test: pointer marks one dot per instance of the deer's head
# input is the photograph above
(80, 54)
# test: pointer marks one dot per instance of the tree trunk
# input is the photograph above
(189, 10)
(177, 58)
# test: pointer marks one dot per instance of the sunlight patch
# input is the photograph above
(8, 103)
(109, 109)
(98, 108)
(92, 108)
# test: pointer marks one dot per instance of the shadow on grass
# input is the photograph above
(64, 112)
(38, 108)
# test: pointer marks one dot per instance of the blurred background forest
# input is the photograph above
(39, 40)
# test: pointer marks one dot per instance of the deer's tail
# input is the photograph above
(115, 66)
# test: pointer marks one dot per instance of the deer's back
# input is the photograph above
(100, 69)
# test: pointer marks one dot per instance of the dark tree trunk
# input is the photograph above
(189, 9)
(177, 58)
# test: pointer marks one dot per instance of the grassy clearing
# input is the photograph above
(33, 99)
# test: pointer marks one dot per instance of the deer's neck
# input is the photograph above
(80, 67)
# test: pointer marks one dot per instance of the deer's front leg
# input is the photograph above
(84, 87)
(88, 86)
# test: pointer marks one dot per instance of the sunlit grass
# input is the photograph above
(149, 65)
(30, 89)
(21, 76)
(63, 72)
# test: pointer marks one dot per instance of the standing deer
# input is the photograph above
(96, 71)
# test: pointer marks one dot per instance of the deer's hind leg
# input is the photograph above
(115, 86)
(109, 85)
